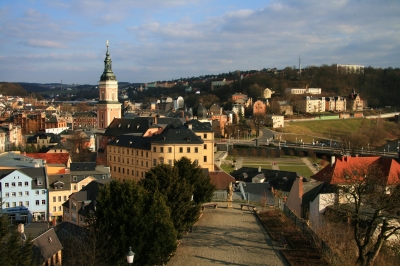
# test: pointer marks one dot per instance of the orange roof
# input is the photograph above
(333, 174)
(221, 179)
(51, 158)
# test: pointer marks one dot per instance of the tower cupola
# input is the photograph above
(107, 73)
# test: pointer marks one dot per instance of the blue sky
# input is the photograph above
(154, 40)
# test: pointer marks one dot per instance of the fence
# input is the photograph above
(313, 237)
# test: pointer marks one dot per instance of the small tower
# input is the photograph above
(108, 106)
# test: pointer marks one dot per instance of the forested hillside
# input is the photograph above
(12, 89)
(380, 87)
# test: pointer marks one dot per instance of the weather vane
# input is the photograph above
(107, 43)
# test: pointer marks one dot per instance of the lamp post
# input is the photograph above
(362, 149)
(238, 134)
(383, 152)
(388, 148)
(368, 147)
(248, 136)
(129, 256)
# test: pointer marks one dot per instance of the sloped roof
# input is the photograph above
(121, 126)
(281, 180)
(198, 126)
(221, 179)
(51, 158)
(47, 244)
(333, 174)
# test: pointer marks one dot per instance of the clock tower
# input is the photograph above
(108, 106)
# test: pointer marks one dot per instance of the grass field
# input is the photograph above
(323, 130)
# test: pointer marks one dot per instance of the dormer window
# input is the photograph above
(39, 182)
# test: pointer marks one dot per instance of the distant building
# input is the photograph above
(355, 102)
(84, 120)
(337, 104)
(309, 104)
(268, 93)
(275, 121)
(350, 69)
(260, 108)
(303, 90)
(220, 83)
(285, 108)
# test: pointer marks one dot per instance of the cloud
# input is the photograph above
(156, 40)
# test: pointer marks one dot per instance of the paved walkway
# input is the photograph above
(310, 165)
(228, 237)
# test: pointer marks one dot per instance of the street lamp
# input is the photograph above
(383, 152)
(248, 136)
(129, 256)
(388, 148)
(368, 147)
(238, 134)
(362, 149)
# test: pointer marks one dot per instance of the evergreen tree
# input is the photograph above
(176, 191)
(12, 250)
(128, 215)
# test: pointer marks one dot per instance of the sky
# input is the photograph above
(46, 41)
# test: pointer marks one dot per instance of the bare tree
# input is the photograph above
(256, 122)
(370, 200)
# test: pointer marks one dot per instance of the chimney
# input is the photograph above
(300, 186)
(155, 119)
(259, 169)
(333, 159)
(190, 126)
(187, 119)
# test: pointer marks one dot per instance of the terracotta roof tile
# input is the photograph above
(333, 174)
(221, 179)
(51, 158)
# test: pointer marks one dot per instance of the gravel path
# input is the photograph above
(228, 237)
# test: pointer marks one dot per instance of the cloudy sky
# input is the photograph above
(150, 40)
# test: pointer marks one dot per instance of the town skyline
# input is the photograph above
(47, 41)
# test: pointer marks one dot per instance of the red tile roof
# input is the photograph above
(221, 179)
(333, 174)
(51, 158)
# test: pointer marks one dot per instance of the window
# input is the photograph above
(65, 198)
(147, 164)
(154, 162)
(26, 193)
(180, 149)
(20, 184)
(13, 194)
(7, 205)
(154, 149)
(59, 198)
(188, 149)
(26, 184)
(59, 208)
(147, 154)
(37, 202)
(43, 202)
(119, 169)
(161, 149)
(205, 159)
(204, 136)
(196, 162)
(39, 182)
(123, 170)
(54, 199)
(20, 203)
(74, 187)
(205, 146)
(75, 178)
(26, 203)
(7, 194)
(54, 209)
(196, 150)
(5, 184)
(37, 192)
(14, 204)
(20, 194)
(169, 149)
(170, 162)
(13, 184)
(43, 192)
(137, 153)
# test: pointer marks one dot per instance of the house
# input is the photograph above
(84, 120)
(275, 121)
(43, 140)
(337, 104)
(24, 194)
(48, 248)
(260, 107)
(310, 104)
(356, 103)
(81, 203)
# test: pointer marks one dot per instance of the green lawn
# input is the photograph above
(302, 170)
